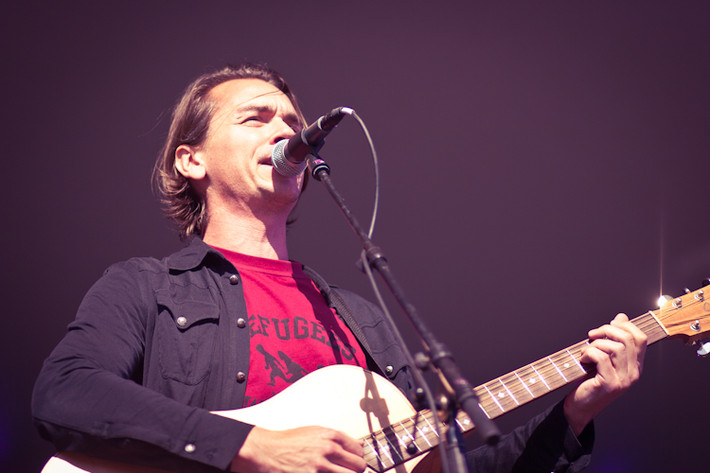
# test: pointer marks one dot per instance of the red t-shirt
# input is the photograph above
(292, 329)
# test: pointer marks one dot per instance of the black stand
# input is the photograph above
(461, 391)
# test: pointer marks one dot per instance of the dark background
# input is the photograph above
(544, 166)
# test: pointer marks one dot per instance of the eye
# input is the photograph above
(252, 120)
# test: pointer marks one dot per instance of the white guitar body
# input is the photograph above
(347, 398)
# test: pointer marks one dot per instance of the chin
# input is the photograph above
(287, 185)
(285, 193)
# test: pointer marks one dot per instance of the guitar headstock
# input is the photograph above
(687, 316)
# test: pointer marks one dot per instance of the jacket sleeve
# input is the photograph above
(544, 444)
(88, 396)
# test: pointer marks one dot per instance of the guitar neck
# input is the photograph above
(411, 437)
(545, 375)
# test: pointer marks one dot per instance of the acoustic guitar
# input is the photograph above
(367, 406)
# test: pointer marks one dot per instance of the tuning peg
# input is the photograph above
(706, 282)
(677, 303)
(704, 349)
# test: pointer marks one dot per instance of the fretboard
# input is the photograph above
(413, 436)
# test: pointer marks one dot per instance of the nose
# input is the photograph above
(282, 131)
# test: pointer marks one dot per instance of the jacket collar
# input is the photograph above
(191, 256)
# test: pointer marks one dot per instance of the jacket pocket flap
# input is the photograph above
(187, 313)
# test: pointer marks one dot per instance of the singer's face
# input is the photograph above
(250, 117)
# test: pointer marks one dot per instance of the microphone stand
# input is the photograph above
(462, 392)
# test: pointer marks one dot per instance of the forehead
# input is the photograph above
(247, 93)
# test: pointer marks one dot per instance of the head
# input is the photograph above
(182, 202)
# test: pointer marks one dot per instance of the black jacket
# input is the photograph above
(177, 327)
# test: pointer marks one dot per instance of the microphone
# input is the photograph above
(289, 156)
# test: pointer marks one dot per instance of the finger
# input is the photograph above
(602, 363)
(621, 321)
(610, 348)
(606, 352)
(615, 356)
(347, 452)
(629, 334)
(348, 462)
(348, 443)
(607, 376)
(640, 339)
(616, 363)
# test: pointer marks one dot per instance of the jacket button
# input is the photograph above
(389, 369)
(241, 377)
(234, 279)
(241, 323)
(190, 448)
(181, 321)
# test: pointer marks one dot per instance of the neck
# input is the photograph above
(248, 234)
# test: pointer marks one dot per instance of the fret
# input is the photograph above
(428, 428)
(539, 377)
(431, 434)
(566, 363)
(651, 326)
(411, 438)
(464, 421)
(380, 451)
(372, 455)
(533, 381)
(501, 396)
(523, 384)
(519, 390)
(404, 435)
(384, 458)
(576, 362)
(420, 439)
(510, 394)
(397, 444)
(557, 368)
(493, 398)
(480, 404)
(394, 443)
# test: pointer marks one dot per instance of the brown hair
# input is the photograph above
(189, 125)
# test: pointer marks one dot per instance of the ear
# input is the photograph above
(189, 162)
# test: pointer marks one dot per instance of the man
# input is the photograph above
(229, 321)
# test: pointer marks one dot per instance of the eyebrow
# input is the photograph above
(290, 118)
(251, 107)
